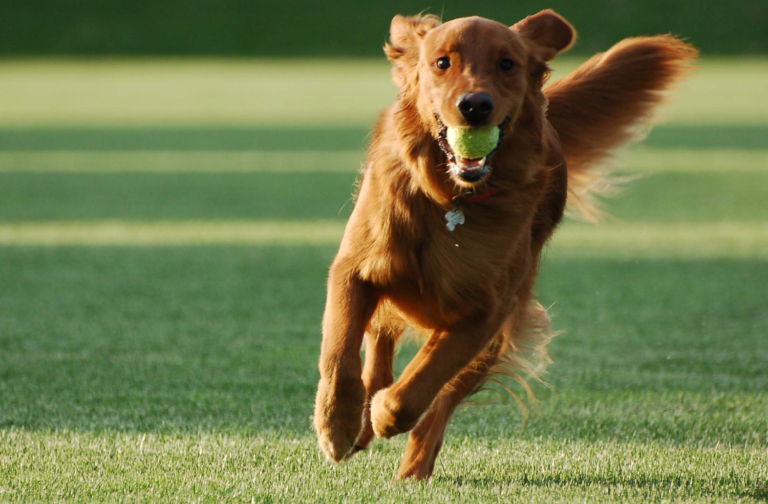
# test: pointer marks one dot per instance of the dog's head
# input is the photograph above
(472, 72)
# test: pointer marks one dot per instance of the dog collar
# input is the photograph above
(477, 198)
(455, 216)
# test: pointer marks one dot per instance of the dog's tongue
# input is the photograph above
(470, 163)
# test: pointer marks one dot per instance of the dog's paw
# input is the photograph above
(416, 472)
(420, 456)
(338, 420)
(335, 444)
(366, 434)
(389, 416)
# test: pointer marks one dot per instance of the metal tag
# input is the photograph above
(454, 217)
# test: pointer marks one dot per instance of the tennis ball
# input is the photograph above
(473, 143)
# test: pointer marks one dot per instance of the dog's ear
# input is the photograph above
(549, 33)
(405, 34)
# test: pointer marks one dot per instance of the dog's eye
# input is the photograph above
(507, 64)
(443, 63)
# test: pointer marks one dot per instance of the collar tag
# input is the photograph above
(454, 217)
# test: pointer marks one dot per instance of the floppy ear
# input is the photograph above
(405, 34)
(548, 31)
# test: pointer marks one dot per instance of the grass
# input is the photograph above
(163, 283)
(690, 240)
(276, 94)
(699, 197)
(211, 376)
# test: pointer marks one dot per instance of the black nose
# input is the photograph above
(475, 107)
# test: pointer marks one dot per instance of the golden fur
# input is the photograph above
(470, 290)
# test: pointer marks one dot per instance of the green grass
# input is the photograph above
(288, 94)
(625, 240)
(312, 196)
(163, 263)
(141, 378)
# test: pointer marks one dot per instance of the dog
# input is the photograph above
(451, 246)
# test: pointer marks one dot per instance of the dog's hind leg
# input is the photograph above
(426, 438)
(377, 373)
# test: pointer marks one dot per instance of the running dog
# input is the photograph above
(451, 245)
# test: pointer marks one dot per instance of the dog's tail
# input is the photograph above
(606, 102)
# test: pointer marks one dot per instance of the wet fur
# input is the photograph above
(469, 291)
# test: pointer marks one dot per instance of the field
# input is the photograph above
(300, 28)
(165, 232)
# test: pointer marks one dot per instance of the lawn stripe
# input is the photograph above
(292, 93)
(690, 240)
(638, 160)
(651, 160)
(172, 233)
(181, 161)
(674, 239)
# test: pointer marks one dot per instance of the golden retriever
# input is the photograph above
(467, 284)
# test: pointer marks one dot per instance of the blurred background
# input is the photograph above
(344, 28)
(175, 177)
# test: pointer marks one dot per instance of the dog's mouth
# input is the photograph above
(470, 171)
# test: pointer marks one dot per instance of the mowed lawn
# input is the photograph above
(165, 233)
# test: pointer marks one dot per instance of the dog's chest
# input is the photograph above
(475, 254)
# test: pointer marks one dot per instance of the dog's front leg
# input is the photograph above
(340, 393)
(398, 408)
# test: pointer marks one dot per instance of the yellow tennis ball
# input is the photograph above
(473, 143)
